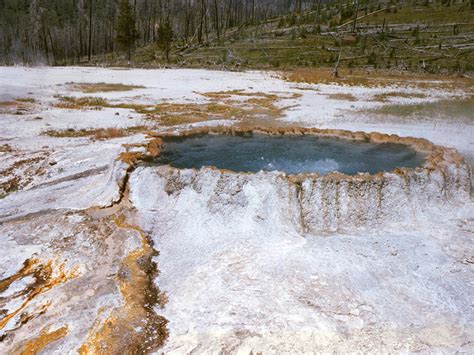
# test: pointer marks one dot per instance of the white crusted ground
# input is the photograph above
(240, 274)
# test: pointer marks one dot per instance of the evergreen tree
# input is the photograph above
(165, 37)
(126, 32)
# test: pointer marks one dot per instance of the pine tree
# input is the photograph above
(126, 32)
(165, 37)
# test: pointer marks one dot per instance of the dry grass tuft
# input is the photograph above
(221, 106)
(376, 79)
(322, 76)
(228, 94)
(79, 103)
(91, 88)
(224, 105)
(6, 148)
(96, 134)
(454, 109)
(386, 96)
(8, 103)
(26, 100)
(342, 96)
(19, 106)
(19, 173)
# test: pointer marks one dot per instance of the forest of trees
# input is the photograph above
(71, 31)
(64, 32)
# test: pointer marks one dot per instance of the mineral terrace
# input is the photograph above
(104, 253)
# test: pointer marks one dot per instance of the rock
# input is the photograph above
(469, 260)
(349, 40)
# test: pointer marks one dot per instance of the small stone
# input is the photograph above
(117, 113)
(354, 312)
(38, 118)
(469, 260)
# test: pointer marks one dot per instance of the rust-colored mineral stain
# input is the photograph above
(45, 279)
(28, 269)
(130, 158)
(134, 328)
(34, 346)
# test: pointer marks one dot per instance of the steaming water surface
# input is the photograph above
(290, 154)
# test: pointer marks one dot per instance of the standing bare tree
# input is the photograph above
(89, 53)
(356, 11)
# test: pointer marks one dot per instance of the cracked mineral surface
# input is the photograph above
(104, 253)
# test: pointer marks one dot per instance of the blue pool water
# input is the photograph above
(290, 154)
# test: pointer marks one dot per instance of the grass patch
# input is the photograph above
(342, 96)
(376, 79)
(433, 14)
(26, 100)
(91, 88)
(78, 103)
(8, 103)
(230, 93)
(96, 134)
(9, 186)
(17, 107)
(175, 114)
(386, 96)
(20, 173)
(221, 106)
(5, 148)
(325, 76)
(449, 109)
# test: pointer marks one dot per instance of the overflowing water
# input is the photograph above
(290, 154)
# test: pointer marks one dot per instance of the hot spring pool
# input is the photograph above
(290, 154)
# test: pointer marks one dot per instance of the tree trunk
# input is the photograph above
(216, 19)
(355, 17)
(253, 11)
(201, 22)
(336, 66)
(318, 13)
(90, 31)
